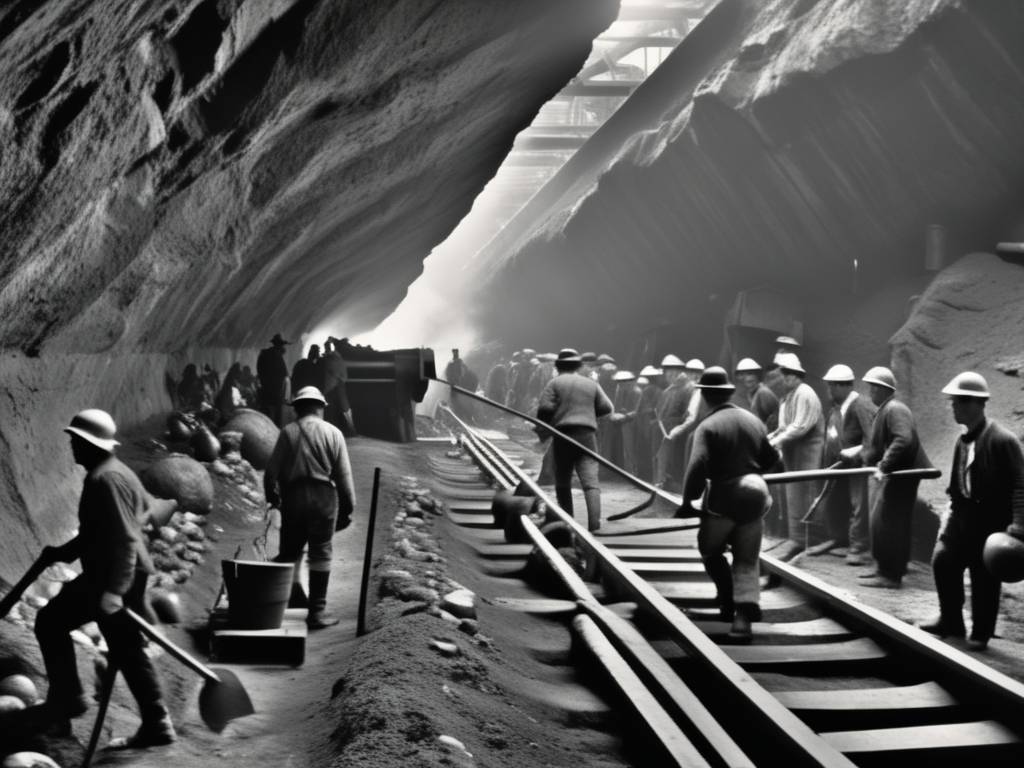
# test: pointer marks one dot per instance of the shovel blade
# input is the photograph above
(220, 703)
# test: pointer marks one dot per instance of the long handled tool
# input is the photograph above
(106, 691)
(825, 491)
(33, 573)
(222, 699)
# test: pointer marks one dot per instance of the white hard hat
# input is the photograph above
(881, 376)
(839, 374)
(789, 362)
(694, 364)
(968, 384)
(96, 427)
(623, 376)
(787, 341)
(671, 361)
(309, 393)
(650, 370)
(747, 364)
(642, 380)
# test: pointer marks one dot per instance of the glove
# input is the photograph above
(110, 603)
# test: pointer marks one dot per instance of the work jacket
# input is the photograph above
(894, 443)
(994, 480)
(571, 400)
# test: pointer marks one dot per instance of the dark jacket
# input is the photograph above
(894, 444)
(846, 432)
(764, 404)
(109, 541)
(571, 400)
(673, 403)
(272, 371)
(996, 483)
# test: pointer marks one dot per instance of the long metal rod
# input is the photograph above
(368, 554)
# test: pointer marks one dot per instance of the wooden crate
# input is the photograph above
(285, 645)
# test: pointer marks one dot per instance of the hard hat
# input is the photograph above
(747, 364)
(787, 341)
(650, 370)
(1004, 557)
(568, 355)
(529, 352)
(671, 361)
(787, 361)
(694, 364)
(968, 384)
(309, 393)
(588, 357)
(881, 376)
(96, 427)
(624, 376)
(642, 380)
(839, 374)
(604, 358)
(547, 357)
(715, 377)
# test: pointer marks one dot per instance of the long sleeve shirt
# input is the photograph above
(849, 425)
(986, 483)
(319, 456)
(571, 400)
(800, 416)
(894, 444)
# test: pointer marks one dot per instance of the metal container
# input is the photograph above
(258, 593)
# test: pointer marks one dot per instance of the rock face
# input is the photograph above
(780, 142)
(201, 174)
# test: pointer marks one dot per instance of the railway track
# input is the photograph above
(827, 681)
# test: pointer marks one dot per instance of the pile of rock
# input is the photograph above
(18, 692)
(40, 593)
(177, 548)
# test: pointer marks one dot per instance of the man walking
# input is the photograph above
(892, 446)
(799, 438)
(848, 426)
(309, 477)
(115, 567)
(986, 487)
(272, 371)
(572, 404)
(730, 453)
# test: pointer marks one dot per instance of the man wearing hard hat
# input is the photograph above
(752, 395)
(646, 426)
(310, 478)
(773, 379)
(670, 412)
(115, 568)
(986, 488)
(848, 425)
(798, 438)
(892, 446)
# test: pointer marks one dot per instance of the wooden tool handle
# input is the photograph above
(171, 648)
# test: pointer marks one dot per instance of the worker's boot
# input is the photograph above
(746, 613)
(318, 616)
(593, 499)
(156, 731)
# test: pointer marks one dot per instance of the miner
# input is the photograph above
(799, 438)
(848, 426)
(986, 488)
(115, 568)
(669, 413)
(572, 404)
(272, 371)
(753, 395)
(773, 379)
(892, 446)
(730, 453)
(309, 477)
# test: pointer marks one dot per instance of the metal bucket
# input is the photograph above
(258, 592)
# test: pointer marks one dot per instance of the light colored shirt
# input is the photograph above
(320, 456)
(799, 415)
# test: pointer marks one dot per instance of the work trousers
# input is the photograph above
(800, 455)
(955, 553)
(309, 511)
(892, 508)
(568, 458)
(78, 603)
(740, 583)
(847, 514)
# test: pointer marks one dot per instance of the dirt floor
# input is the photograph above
(422, 688)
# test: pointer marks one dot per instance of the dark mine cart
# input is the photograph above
(382, 387)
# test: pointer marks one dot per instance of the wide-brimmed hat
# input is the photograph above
(605, 358)
(787, 361)
(624, 376)
(747, 365)
(96, 427)
(310, 393)
(650, 370)
(715, 377)
(967, 384)
(277, 341)
(788, 341)
(568, 355)
(671, 361)
(839, 374)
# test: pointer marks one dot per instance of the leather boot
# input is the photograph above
(155, 731)
(298, 597)
(741, 631)
(318, 616)
(593, 499)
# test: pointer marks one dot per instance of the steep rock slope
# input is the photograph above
(199, 174)
(780, 142)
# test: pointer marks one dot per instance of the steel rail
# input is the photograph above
(754, 704)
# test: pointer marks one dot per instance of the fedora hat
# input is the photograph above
(715, 377)
(277, 341)
(568, 355)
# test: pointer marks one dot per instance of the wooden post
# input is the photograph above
(368, 556)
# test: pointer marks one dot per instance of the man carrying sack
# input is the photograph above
(115, 567)
(730, 453)
(309, 477)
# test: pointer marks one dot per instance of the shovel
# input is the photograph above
(222, 699)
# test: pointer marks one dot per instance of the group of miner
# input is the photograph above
(309, 477)
(692, 430)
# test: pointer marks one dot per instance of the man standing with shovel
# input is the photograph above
(115, 567)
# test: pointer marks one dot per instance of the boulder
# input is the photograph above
(179, 426)
(461, 603)
(21, 687)
(205, 446)
(28, 760)
(166, 606)
(10, 704)
(183, 479)
(259, 433)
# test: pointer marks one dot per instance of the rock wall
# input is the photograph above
(780, 142)
(201, 174)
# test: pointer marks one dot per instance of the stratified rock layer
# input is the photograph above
(780, 142)
(184, 176)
